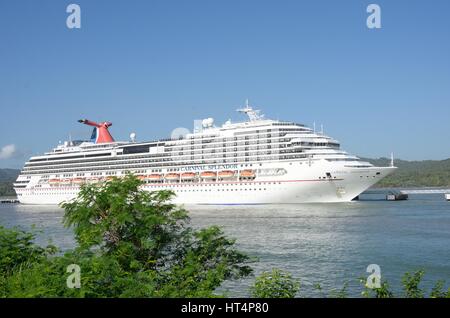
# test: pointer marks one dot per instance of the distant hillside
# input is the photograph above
(7, 177)
(427, 173)
(9, 174)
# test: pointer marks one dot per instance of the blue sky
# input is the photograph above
(152, 66)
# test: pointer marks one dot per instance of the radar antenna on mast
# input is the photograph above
(253, 114)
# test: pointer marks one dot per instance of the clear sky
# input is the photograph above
(152, 66)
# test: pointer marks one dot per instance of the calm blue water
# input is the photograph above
(318, 243)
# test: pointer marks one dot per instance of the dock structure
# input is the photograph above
(9, 201)
(396, 196)
(387, 194)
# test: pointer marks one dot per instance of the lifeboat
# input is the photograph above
(109, 178)
(92, 180)
(54, 182)
(188, 175)
(247, 174)
(172, 176)
(225, 174)
(154, 177)
(66, 181)
(141, 177)
(208, 175)
(78, 180)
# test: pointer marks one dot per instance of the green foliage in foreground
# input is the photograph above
(280, 284)
(411, 288)
(17, 249)
(133, 243)
(275, 284)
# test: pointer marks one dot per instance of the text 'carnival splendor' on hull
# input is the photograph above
(258, 161)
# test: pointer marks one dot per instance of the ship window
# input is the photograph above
(136, 149)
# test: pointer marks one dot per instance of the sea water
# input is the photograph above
(326, 244)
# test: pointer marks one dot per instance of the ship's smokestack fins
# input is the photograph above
(102, 134)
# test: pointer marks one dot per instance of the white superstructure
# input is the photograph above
(259, 161)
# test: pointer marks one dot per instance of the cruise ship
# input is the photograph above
(256, 161)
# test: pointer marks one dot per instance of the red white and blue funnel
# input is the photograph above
(100, 134)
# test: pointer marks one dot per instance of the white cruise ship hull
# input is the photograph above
(303, 183)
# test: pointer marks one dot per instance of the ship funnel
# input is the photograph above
(100, 133)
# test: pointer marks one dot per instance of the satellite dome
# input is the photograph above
(208, 122)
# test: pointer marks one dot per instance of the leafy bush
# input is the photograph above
(17, 249)
(378, 292)
(275, 284)
(411, 284)
(131, 243)
(437, 291)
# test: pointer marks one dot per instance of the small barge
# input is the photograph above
(9, 201)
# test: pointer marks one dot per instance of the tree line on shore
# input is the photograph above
(410, 174)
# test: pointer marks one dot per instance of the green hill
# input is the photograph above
(427, 173)
(7, 177)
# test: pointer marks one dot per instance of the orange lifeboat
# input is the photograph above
(247, 173)
(54, 182)
(154, 177)
(225, 174)
(208, 175)
(172, 176)
(188, 175)
(141, 177)
(78, 180)
(66, 182)
(109, 178)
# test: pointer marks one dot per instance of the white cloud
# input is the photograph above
(8, 151)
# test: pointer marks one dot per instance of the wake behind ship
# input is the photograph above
(258, 161)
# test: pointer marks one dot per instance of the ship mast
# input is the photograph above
(253, 114)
